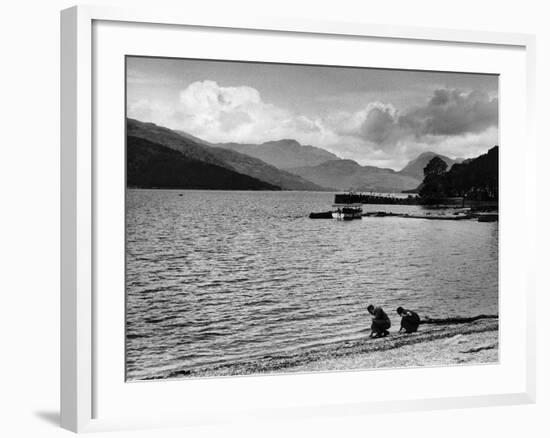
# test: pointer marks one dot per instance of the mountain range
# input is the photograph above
(283, 154)
(350, 175)
(220, 158)
(273, 165)
(327, 169)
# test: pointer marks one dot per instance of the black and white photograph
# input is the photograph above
(288, 218)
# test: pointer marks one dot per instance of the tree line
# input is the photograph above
(472, 179)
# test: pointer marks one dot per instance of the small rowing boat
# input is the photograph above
(347, 212)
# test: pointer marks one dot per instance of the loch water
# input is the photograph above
(237, 282)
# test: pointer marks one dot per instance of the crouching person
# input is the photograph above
(409, 320)
(380, 322)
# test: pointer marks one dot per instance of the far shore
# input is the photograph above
(227, 190)
(382, 198)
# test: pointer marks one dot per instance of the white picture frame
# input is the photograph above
(81, 365)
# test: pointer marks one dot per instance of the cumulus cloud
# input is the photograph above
(451, 112)
(380, 124)
(206, 102)
(447, 113)
(206, 108)
(453, 122)
(232, 114)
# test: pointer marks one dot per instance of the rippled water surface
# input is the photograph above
(226, 280)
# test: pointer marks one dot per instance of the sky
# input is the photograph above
(376, 117)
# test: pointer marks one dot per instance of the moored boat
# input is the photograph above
(348, 212)
(344, 209)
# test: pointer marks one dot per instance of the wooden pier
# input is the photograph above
(457, 202)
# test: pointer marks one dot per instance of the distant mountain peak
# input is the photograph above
(285, 153)
(415, 168)
(283, 141)
(348, 174)
(426, 154)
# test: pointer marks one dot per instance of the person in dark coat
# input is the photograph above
(409, 320)
(380, 322)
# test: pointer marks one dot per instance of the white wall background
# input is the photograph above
(29, 218)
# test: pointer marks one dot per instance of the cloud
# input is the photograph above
(206, 101)
(231, 114)
(378, 125)
(453, 122)
(223, 114)
(451, 112)
(149, 111)
(446, 113)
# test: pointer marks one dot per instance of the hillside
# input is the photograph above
(150, 165)
(225, 158)
(415, 168)
(283, 154)
(476, 178)
(349, 175)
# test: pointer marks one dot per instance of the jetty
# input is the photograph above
(363, 198)
(481, 217)
(482, 211)
(321, 215)
(448, 202)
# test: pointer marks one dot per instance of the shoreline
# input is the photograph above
(435, 344)
(471, 347)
